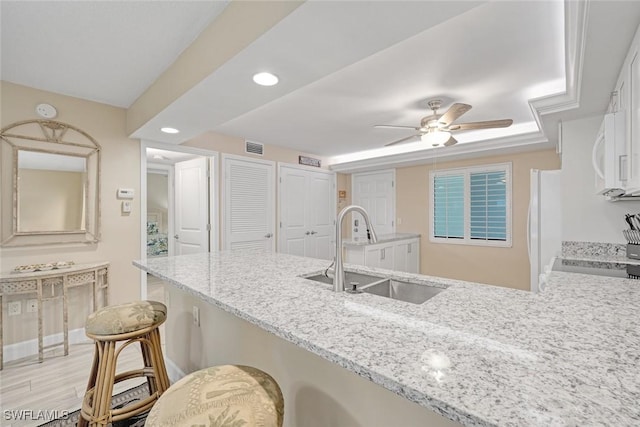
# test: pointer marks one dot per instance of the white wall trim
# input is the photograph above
(174, 372)
(29, 348)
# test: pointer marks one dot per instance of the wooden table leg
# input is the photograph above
(65, 314)
(40, 329)
(1, 344)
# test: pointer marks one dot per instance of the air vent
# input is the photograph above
(254, 148)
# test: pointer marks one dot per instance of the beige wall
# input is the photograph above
(233, 145)
(58, 193)
(492, 265)
(120, 242)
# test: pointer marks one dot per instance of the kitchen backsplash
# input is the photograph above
(576, 249)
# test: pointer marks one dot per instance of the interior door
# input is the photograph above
(307, 212)
(375, 192)
(294, 232)
(321, 216)
(249, 203)
(191, 206)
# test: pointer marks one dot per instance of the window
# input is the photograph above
(471, 205)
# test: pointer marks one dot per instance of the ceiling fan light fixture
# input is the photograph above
(436, 137)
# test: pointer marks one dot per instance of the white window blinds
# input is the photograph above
(472, 205)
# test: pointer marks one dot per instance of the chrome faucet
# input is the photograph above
(338, 277)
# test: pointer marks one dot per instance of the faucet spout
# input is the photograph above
(338, 277)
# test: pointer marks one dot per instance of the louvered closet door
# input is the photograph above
(249, 204)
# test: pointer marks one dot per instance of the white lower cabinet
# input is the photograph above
(399, 255)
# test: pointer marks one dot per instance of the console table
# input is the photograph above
(52, 285)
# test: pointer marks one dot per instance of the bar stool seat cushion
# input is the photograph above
(125, 318)
(227, 395)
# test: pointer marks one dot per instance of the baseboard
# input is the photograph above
(174, 372)
(29, 348)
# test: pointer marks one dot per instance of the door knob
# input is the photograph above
(176, 237)
(314, 232)
(268, 235)
(307, 233)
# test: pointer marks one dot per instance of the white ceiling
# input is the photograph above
(343, 66)
(104, 51)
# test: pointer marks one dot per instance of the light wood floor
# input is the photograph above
(59, 383)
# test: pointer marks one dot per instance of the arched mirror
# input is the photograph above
(50, 183)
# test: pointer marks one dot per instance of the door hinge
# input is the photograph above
(392, 222)
(208, 227)
(280, 224)
(391, 184)
(280, 180)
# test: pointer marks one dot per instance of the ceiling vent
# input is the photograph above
(254, 148)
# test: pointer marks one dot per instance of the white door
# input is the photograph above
(307, 212)
(375, 192)
(191, 206)
(249, 203)
(322, 215)
(293, 211)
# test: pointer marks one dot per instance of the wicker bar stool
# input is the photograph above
(127, 323)
(221, 395)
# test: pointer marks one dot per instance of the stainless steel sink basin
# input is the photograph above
(352, 278)
(403, 291)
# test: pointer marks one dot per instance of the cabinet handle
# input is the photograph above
(268, 235)
(314, 232)
(408, 249)
(382, 254)
(307, 233)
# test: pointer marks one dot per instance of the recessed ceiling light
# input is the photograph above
(265, 79)
(169, 130)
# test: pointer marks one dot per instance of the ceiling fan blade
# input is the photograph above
(395, 127)
(455, 111)
(401, 140)
(482, 125)
(450, 142)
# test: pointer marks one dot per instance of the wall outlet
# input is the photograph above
(15, 308)
(32, 305)
(196, 316)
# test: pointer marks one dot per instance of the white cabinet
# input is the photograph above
(407, 256)
(394, 254)
(627, 102)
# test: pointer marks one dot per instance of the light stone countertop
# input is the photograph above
(567, 357)
(382, 238)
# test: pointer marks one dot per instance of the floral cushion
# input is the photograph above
(221, 396)
(125, 318)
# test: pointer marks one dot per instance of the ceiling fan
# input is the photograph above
(436, 129)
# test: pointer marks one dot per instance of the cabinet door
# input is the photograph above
(400, 251)
(413, 257)
(379, 256)
(634, 117)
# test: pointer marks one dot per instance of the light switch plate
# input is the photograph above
(126, 206)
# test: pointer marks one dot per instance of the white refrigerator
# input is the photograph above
(544, 237)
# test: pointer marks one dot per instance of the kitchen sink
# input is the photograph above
(403, 291)
(352, 278)
(382, 286)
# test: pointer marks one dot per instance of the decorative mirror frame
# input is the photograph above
(47, 136)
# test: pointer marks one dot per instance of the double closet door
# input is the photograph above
(307, 212)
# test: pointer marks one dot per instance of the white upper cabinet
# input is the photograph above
(627, 101)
